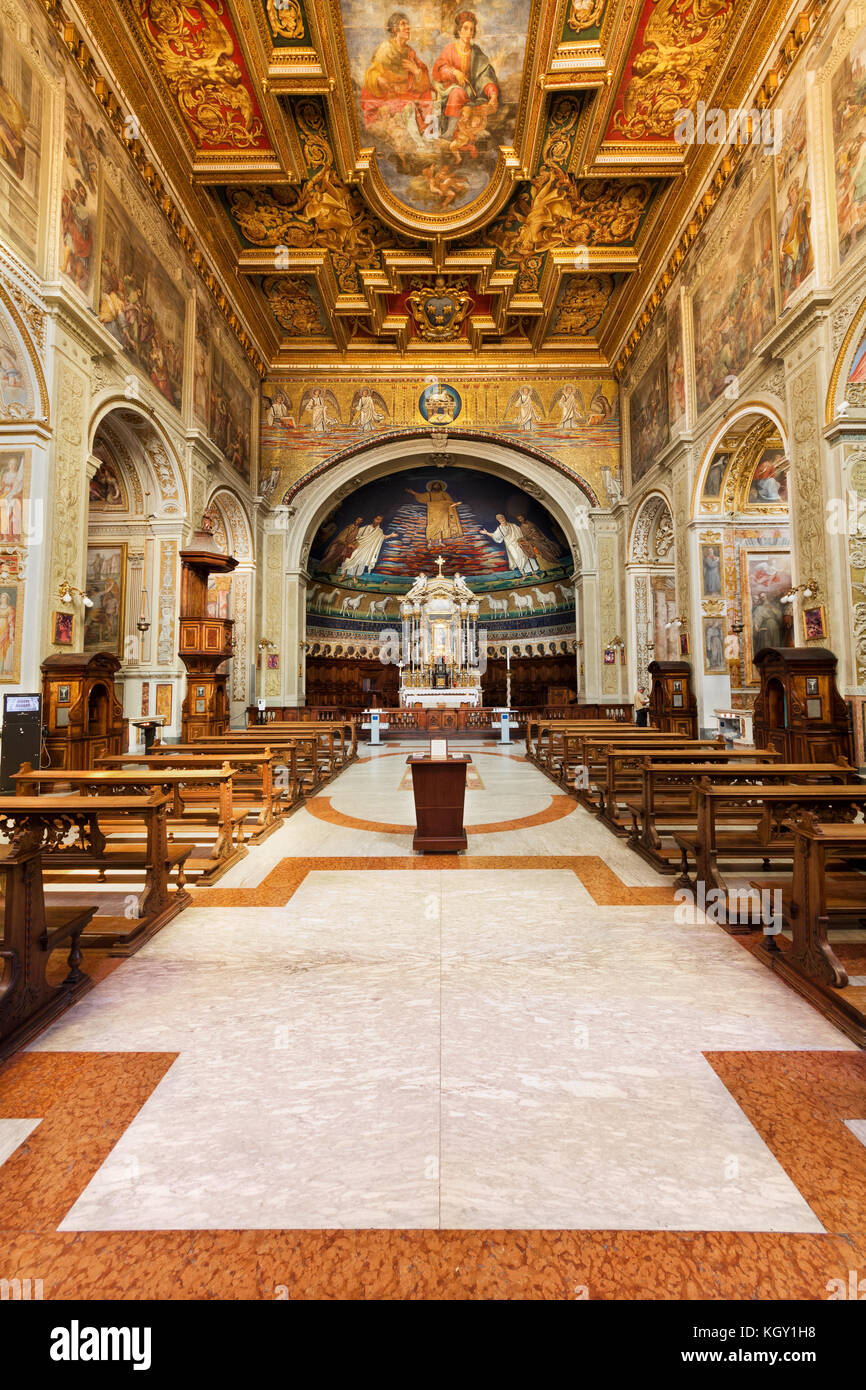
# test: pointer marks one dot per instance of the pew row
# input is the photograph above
(824, 911)
(70, 832)
(201, 811)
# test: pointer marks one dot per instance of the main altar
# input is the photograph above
(441, 658)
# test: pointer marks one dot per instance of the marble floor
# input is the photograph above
(520, 1046)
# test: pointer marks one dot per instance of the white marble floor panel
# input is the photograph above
(454, 1049)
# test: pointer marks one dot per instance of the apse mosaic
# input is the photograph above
(436, 89)
(485, 529)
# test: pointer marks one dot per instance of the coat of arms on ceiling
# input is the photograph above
(440, 309)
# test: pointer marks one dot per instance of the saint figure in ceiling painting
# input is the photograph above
(467, 88)
(397, 83)
(442, 520)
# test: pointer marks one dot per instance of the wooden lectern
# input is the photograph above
(439, 785)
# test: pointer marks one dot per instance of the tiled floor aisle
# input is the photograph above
(342, 1035)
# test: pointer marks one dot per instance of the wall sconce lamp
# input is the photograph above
(808, 590)
(679, 621)
(67, 592)
(265, 644)
(617, 645)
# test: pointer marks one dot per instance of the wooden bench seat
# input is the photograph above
(825, 894)
(68, 832)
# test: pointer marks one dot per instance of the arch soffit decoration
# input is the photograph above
(21, 338)
(239, 532)
(145, 445)
(752, 407)
(649, 542)
(316, 495)
(836, 390)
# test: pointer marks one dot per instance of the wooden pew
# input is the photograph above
(668, 796)
(620, 782)
(224, 844)
(48, 821)
(762, 833)
(342, 742)
(315, 762)
(540, 730)
(30, 932)
(266, 783)
(589, 753)
(825, 896)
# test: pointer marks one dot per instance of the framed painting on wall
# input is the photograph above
(64, 626)
(11, 604)
(767, 622)
(814, 623)
(105, 585)
(163, 702)
(714, 647)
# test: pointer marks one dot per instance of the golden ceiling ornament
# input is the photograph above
(439, 310)
(194, 47)
(585, 14)
(323, 213)
(286, 19)
(582, 305)
(559, 212)
(680, 44)
(294, 305)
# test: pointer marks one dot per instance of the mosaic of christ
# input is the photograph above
(436, 88)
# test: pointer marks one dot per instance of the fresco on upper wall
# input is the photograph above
(848, 100)
(649, 428)
(23, 100)
(230, 415)
(855, 390)
(201, 361)
(676, 364)
(16, 397)
(793, 197)
(734, 303)
(436, 89)
(575, 419)
(80, 204)
(139, 305)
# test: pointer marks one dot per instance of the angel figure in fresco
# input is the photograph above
(443, 523)
(278, 410)
(526, 402)
(568, 401)
(397, 93)
(368, 409)
(599, 407)
(322, 407)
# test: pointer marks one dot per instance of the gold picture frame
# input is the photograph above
(11, 614)
(105, 584)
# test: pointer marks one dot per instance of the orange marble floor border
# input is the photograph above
(604, 886)
(88, 1099)
(322, 809)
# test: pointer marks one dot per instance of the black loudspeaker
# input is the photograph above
(22, 737)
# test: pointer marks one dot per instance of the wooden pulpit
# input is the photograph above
(439, 785)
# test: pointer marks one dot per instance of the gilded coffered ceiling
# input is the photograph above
(429, 180)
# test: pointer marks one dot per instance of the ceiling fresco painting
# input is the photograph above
(436, 90)
(428, 177)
